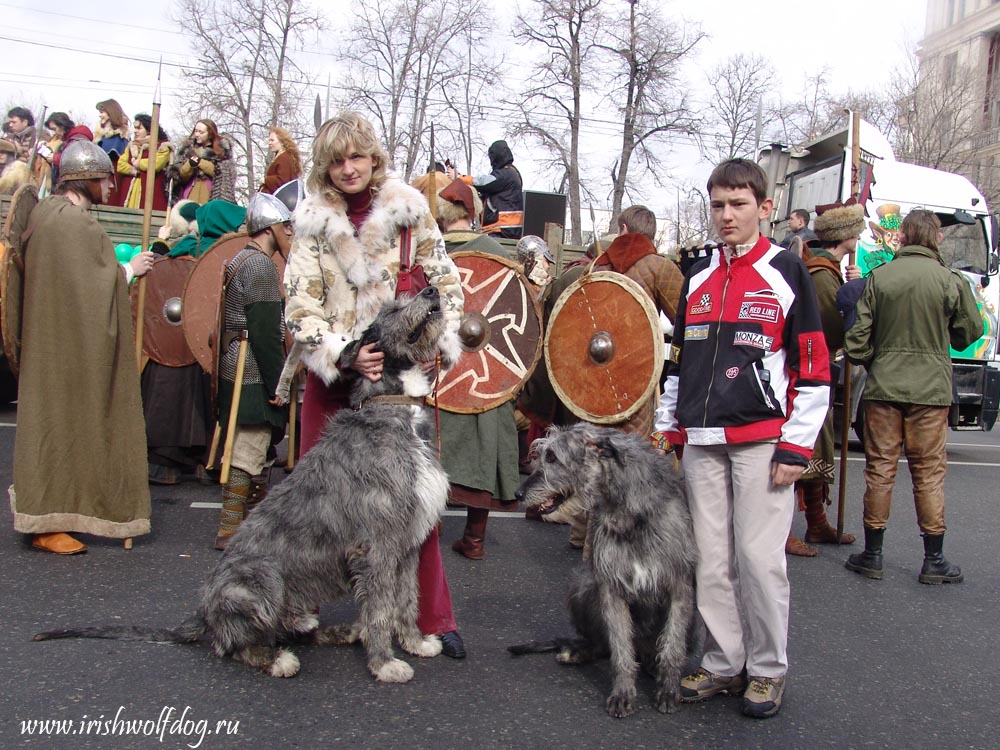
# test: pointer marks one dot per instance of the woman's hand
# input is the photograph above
(369, 362)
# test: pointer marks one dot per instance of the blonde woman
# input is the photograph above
(341, 270)
(286, 164)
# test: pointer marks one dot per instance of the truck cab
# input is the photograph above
(820, 173)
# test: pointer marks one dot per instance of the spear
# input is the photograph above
(432, 182)
(147, 210)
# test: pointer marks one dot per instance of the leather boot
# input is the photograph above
(795, 546)
(234, 506)
(869, 562)
(258, 488)
(818, 529)
(471, 543)
(936, 568)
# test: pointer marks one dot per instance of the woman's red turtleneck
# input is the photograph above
(359, 205)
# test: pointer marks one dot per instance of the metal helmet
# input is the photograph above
(291, 193)
(265, 211)
(83, 160)
(529, 248)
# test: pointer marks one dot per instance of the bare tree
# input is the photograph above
(938, 116)
(647, 52)
(473, 88)
(739, 86)
(408, 60)
(247, 81)
(552, 107)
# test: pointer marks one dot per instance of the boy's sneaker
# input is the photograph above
(763, 696)
(703, 684)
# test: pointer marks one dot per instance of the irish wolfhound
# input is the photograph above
(634, 599)
(351, 516)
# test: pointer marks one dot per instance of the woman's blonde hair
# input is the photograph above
(290, 147)
(339, 137)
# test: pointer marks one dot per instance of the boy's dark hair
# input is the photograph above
(62, 120)
(740, 173)
(639, 219)
(22, 113)
(802, 214)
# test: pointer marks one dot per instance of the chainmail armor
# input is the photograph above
(256, 281)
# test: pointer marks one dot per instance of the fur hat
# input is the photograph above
(840, 223)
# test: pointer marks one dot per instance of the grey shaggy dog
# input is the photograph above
(351, 517)
(634, 599)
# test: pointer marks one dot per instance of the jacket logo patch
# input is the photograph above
(749, 338)
(696, 333)
(675, 354)
(732, 372)
(703, 306)
(767, 312)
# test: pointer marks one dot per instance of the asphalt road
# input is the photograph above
(880, 664)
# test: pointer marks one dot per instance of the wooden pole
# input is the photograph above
(292, 408)
(234, 408)
(845, 426)
(147, 212)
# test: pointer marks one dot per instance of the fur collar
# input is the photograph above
(186, 147)
(363, 258)
(109, 132)
(626, 251)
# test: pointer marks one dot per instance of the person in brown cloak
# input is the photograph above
(80, 447)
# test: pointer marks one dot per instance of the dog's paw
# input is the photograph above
(394, 670)
(424, 647)
(286, 664)
(570, 656)
(621, 703)
(668, 701)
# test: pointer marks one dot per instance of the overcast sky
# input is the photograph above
(48, 49)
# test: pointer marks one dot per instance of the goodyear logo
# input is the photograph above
(767, 312)
(758, 340)
(696, 333)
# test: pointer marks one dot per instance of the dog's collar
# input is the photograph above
(393, 401)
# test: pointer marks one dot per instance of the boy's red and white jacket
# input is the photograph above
(748, 360)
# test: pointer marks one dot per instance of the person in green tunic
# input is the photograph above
(478, 451)
(80, 448)
(253, 304)
(837, 230)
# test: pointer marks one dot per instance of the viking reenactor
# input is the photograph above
(633, 254)
(478, 450)
(252, 304)
(13, 172)
(80, 447)
(204, 169)
(134, 162)
(177, 392)
(837, 232)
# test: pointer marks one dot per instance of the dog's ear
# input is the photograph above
(349, 354)
(605, 448)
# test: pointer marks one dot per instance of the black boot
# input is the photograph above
(936, 569)
(869, 562)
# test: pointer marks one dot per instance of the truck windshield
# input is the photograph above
(963, 247)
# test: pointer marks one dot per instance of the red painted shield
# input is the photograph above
(501, 335)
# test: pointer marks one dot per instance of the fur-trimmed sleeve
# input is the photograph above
(305, 317)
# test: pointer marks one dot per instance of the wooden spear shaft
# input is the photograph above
(845, 425)
(147, 213)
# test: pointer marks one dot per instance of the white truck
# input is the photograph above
(820, 173)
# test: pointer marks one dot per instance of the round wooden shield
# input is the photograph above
(501, 335)
(604, 347)
(203, 296)
(22, 203)
(162, 335)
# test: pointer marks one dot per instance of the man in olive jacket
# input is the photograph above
(909, 312)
